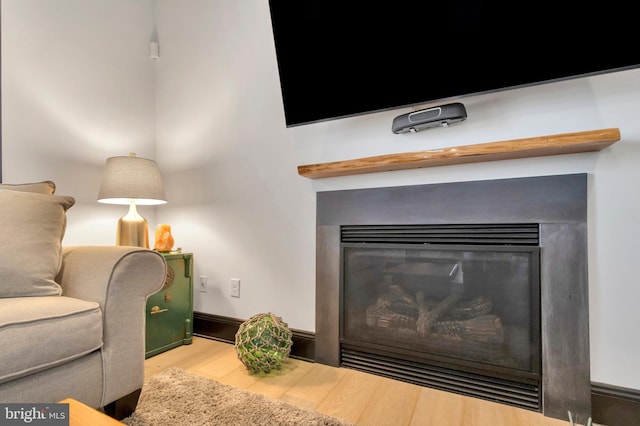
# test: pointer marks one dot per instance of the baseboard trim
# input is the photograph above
(610, 405)
(223, 328)
(614, 405)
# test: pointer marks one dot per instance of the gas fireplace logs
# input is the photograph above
(450, 318)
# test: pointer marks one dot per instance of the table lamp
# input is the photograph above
(131, 180)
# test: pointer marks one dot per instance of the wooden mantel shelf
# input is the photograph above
(565, 143)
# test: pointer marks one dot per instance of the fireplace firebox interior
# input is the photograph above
(422, 298)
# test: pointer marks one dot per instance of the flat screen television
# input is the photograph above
(342, 58)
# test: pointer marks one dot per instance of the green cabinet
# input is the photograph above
(169, 321)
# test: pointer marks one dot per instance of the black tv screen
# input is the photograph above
(342, 58)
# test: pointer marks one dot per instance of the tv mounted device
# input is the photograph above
(439, 116)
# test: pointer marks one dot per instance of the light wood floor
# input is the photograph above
(356, 397)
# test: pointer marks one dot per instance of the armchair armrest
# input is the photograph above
(100, 272)
(120, 279)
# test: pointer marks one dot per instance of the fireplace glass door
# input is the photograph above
(474, 308)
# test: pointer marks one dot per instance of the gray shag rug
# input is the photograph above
(176, 397)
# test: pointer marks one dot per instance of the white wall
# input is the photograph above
(77, 87)
(235, 198)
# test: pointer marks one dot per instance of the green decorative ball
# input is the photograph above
(263, 342)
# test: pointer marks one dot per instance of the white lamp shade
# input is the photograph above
(131, 178)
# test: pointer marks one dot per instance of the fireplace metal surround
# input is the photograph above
(558, 203)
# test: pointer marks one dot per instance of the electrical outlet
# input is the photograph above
(203, 283)
(234, 288)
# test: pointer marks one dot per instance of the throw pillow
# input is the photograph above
(32, 227)
(46, 187)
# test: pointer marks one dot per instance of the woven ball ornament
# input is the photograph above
(263, 342)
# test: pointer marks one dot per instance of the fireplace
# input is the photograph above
(459, 304)
(478, 288)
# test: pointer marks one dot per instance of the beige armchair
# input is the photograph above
(72, 319)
